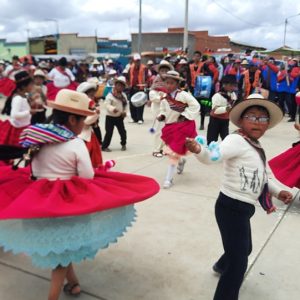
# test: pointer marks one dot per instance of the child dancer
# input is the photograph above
(158, 88)
(19, 109)
(244, 182)
(116, 106)
(221, 105)
(87, 133)
(63, 212)
(178, 110)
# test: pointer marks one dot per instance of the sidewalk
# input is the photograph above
(169, 252)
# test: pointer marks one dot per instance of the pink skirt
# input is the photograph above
(53, 90)
(9, 135)
(174, 135)
(286, 167)
(7, 86)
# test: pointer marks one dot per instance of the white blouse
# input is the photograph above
(20, 112)
(60, 80)
(62, 161)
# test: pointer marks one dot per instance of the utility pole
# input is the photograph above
(284, 35)
(186, 25)
(140, 27)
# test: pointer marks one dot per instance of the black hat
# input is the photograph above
(22, 78)
(62, 62)
(15, 57)
(229, 79)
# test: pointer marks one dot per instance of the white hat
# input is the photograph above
(95, 62)
(2, 62)
(182, 62)
(93, 80)
(164, 64)
(110, 61)
(112, 72)
(150, 62)
(39, 73)
(85, 86)
(43, 65)
(136, 56)
(174, 75)
(273, 109)
(121, 79)
(72, 102)
(125, 71)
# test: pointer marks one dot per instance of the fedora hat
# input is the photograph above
(164, 64)
(273, 109)
(122, 80)
(174, 75)
(72, 102)
(85, 86)
(39, 73)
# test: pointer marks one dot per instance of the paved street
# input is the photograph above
(169, 252)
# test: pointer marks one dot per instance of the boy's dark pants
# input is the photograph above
(217, 127)
(233, 218)
(110, 123)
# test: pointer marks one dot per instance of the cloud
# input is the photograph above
(252, 21)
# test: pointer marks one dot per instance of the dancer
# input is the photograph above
(244, 182)
(65, 213)
(221, 105)
(157, 90)
(116, 106)
(18, 108)
(91, 122)
(178, 110)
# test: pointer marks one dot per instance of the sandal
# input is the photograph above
(157, 154)
(68, 289)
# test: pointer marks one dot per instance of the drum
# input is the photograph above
(139, 99)
(203, 86)
(100, 91)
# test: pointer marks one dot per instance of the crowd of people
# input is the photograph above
(69, 179)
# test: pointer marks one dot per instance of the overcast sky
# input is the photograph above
(258, 22)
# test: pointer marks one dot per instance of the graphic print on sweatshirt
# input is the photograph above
(245, 184)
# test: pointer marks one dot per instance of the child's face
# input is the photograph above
(229, 87)
(119, 87)
(171, 84)
(255, 129)
(38, 80)
(29, 88)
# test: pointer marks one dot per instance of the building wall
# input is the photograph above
(37, 47)
(74, 44)
(159, 41)
(8, 50)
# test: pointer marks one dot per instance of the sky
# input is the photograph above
(257, 22)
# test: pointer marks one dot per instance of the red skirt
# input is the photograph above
(7, 86)
(174, 135)
(52, 90)
(94, 151)
(286, 167)
(24, 198)
(9, 135)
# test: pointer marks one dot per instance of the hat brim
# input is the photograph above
(75, 111)
(120, 81)
(275, 112)
(170, 67)
(174, 77)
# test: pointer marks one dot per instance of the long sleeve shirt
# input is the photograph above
(59, 79)
(20, 112)
(244, 171)
(111, 103)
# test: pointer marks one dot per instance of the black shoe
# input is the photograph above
(106, 150)
(123, 148)
(216, 269)
(201, 127)
(291, 120)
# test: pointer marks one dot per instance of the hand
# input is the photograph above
(181, 118)
(228, 108)
(272, 209)
(192, 146)
(123, 114)
(115, 111)
(161, 118)
(285, 196)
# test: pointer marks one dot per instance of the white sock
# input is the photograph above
(170, 173)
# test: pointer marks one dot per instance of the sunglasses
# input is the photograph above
(253, 119)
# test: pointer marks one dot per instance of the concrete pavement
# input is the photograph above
(168, 253)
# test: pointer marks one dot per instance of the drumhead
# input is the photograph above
(139, 99)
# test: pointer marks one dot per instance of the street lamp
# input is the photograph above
(285, 25)
(186, 24)
(140, 27)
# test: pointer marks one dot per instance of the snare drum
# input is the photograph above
(203, 86)
(139, 99)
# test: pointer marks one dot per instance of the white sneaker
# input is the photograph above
(180, 166)
(167, 184)
(131, 121)
(140, 122)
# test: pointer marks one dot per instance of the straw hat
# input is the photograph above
(164, 64)
(85, 86)
(174, 75)
(150, 62)
(112, 72)
(182, 62)
(274, 110)
(122, 80)
(94, 80)
(245, 62)
(95, 62)
(43, 65)
(72, 102)
(39, 73)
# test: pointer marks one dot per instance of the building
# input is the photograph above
(115, 49)
(9, 49)
(172, 40)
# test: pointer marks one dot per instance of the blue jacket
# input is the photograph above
(273, 79)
